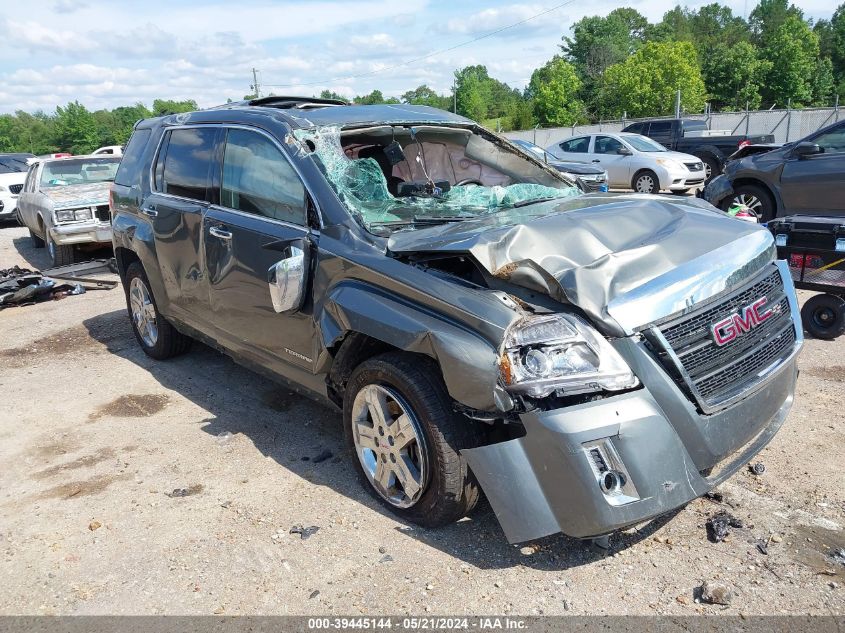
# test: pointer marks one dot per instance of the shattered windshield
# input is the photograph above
(405, 177)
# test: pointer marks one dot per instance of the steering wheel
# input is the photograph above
(468, 181)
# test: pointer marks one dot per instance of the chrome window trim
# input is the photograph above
(238, 126)
(303, 228)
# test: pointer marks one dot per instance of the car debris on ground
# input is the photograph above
(23, 286)
(714, 592)
(304, 532)
(718, 524)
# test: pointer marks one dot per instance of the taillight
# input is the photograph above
(744, 143)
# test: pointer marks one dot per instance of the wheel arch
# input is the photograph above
(358, 321)
(750, 180)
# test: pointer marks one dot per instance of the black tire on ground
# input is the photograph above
(680, 192)
(37, 242)
(639, 183)
(169, 342)
(451, 491)
(61, 255)
(823, 316)
(756, 197)
(712, 168)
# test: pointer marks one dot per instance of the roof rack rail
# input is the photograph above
(275, 101)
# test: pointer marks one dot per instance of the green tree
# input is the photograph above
(645, 84)
(555, 88)
(767, 18)
(162, 107)
(793, 50)
(473, 92)
(735, 75)
(423, 95)
(822, 83)
(76, 129)
(373, 98)
(331, 94)
(831, 36)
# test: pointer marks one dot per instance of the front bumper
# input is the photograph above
(683, 181)
(8, 205)
(718, 190)
(81, 233)
(545, 482)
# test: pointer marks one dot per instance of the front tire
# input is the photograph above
(37, 242)
(823, 316)
(62, 255)
(756, 198)
(646, 181)
(155, 334)
(406, 436)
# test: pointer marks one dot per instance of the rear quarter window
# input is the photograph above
(130, 165)
(188, 156)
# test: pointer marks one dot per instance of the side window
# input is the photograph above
(606, 145)
(258, 179)
(578, 145)
(660, 127)
(189, 154)
(833, 142)
(127, 172)
(636, 128)
(27, 184)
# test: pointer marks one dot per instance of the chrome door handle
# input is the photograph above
(223, 234)
(150, 211)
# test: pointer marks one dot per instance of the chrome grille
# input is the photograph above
(713, 374)
(15, 189)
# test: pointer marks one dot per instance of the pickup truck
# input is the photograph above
(691, 136)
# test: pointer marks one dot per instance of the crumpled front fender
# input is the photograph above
(469, 363)
(718, 190)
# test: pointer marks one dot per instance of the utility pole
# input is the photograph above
(678, 104)
(454, 97)
(256, 89)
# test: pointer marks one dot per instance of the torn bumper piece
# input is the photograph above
(547, 481)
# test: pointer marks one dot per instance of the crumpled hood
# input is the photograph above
(625, 259)
(72, 196)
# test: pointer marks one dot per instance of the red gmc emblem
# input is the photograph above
(740, 322)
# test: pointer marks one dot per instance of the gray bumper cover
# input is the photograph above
(543, 483)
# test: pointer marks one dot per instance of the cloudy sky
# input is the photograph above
(106, 53)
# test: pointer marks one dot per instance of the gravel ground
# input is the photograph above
(95, 438)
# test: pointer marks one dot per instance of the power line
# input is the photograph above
(428, 55)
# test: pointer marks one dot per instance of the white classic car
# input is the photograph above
(65, 204)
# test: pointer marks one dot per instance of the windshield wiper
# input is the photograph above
(525, 203)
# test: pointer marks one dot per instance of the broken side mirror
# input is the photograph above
(288, 277)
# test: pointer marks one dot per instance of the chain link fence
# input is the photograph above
(786, 125)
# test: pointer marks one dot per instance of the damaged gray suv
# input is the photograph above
(588, 361)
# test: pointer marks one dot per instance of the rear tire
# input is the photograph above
(645, 181)
(155, 334)
(37, 242)
(62, 255)
(711, 168)
(823, 316)
(409, 386)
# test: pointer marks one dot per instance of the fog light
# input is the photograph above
(610, 473)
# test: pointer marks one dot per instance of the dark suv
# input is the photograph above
(588, 360)
(802, 178)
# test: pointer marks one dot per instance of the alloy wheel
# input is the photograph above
(143, 312)
(389, 445)
(752, 202)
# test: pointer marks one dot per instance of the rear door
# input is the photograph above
(816, 183)
(574, 149)
(605, 154)
(181, 193)
(661, 131)
(261, 219)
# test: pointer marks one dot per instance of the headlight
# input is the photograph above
(73, 215)
(666, 162)
(2, 188)
(561, 352)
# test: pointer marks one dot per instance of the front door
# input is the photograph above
(816, 183)
(261, 219)
(605, 154)
(182, 193)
